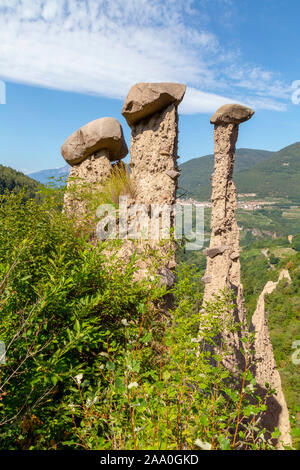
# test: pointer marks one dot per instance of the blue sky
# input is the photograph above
(68, 62)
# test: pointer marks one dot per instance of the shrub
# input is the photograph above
(90, 363)
(62, 302)
(118, 184)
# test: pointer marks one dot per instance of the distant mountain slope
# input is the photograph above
(277, 176)
(268, 174)
(46, 176)
(13, 180)
(196, 173)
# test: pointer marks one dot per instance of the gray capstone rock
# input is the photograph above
(232, 114)
(104, 133)
(145, 99)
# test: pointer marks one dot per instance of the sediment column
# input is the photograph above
(151, 111)
(223, 255)
(90, 151)
(223, 272)
(277, 414)
(93, 171)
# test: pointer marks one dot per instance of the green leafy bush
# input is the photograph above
(62, 302)
(95, 361)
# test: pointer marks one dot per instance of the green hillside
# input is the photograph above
(277, 176)
(196, 173)
(269, 175)
(13, 180)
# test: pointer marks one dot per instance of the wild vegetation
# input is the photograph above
(262, 258)
(89, 362)
(283, 308)
(12, 180)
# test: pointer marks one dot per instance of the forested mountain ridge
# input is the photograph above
(267, 174)
(277, 176)
(13, 180)
(196, 173)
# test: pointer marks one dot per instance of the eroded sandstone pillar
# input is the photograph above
(277, 414)
(90, 151)
(151, 111)
(223, 262)
(223, 272)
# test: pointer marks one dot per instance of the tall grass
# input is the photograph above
(118, 184)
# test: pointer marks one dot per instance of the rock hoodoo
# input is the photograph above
(231, 114)
(90, 151)
(277, 414)
(223, 271)
(223, 264)
(146, 99)
(151, 111)
(104, 133)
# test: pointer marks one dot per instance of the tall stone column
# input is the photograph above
(151, 111)
(277, 413)
(223, 272)
(223, 263)
(90, 151)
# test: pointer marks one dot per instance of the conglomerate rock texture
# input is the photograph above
(223, 255)
(277, 414)
(223, 264)
(154, 156)
(90, 173)
(223, 273)
(90, 150)
(151, 111)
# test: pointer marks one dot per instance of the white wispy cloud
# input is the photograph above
(195, 100)
(103, 47)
